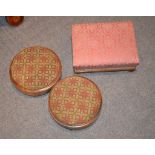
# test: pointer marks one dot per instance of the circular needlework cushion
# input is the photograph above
(35, 70)
(75, 102)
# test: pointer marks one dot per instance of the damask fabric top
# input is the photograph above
(35, 70)
(75, 102)
(104, 45)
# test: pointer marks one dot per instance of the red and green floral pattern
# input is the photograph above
(75, 101)
(35, 68)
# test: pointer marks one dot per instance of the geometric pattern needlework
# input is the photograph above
(75, 101)
(35, 67)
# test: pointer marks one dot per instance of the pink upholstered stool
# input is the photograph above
(104, 47)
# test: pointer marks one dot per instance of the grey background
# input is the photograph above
(128, 109)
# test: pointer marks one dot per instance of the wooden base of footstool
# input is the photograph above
(87, 70)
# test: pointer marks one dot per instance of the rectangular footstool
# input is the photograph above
(104, 47)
